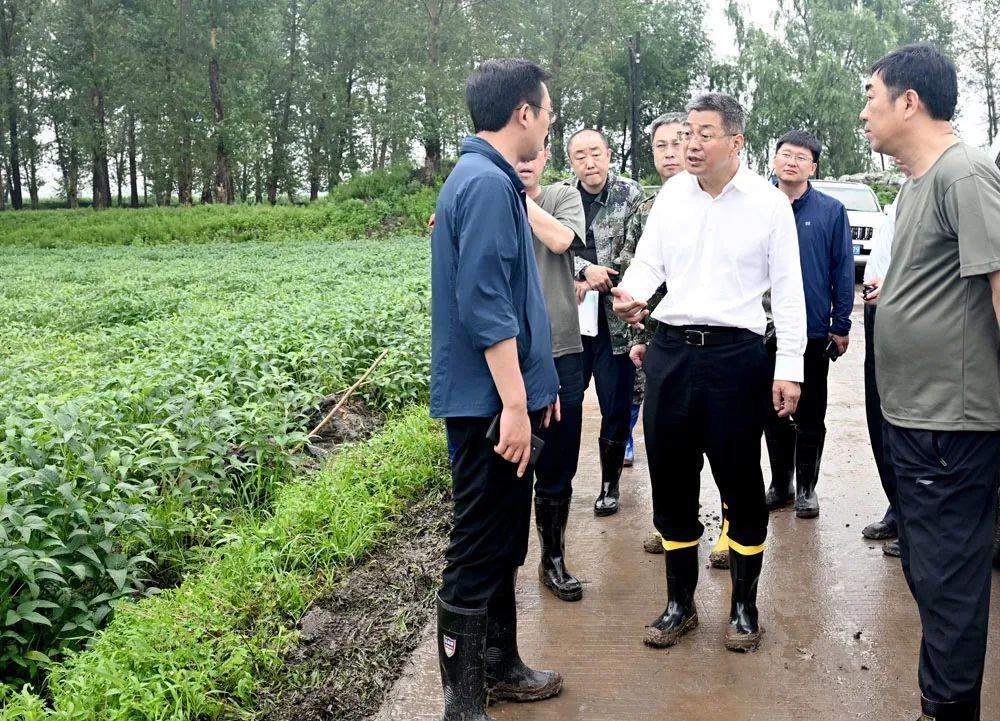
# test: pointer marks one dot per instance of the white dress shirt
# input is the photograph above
(719, 255)
(878, 262)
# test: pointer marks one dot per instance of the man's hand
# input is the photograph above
(430, 221)
(637, 354)
(842, 342)
(629, 309)
(872, 297)
(515, 437)
(599, 277)
(785, 396)
(580, 287)
(552, 414)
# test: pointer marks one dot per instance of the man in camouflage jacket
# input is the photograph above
(600, 258)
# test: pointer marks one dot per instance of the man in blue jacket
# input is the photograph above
(795, 449)
(491, 358)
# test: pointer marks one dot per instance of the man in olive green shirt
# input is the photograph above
(937, 358)
(555, 213)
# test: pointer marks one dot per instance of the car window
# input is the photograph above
(852, 197)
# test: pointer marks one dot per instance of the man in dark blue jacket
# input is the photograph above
(795, 449)
(491, 358)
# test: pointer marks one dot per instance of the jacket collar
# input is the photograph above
(602, 199)
(478, 146)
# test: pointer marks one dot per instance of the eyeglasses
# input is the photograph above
(553, 115)
(661, 147)
(705, 138)
(800, 159)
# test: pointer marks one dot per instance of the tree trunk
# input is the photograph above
(99, 152)
(185, 172)
(280, 141)
(132, 175)
(8, 28)
(223, 178)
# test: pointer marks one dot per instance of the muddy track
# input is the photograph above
(356, 640)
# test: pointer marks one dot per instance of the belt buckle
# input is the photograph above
(694, 337)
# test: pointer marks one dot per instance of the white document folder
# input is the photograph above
(588, 313)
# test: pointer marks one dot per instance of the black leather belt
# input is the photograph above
(704, 336)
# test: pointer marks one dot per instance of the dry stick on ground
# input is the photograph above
(347, 394)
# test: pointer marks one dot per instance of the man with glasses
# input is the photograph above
(825, 253)
(491, 368)
(668, 135)
(608, 201)
(719, 237)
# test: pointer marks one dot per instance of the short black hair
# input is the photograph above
(569, 142)
(734, 117)
(925, 69)
(802, 139)
(497, 87)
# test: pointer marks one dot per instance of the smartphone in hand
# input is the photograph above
(493, 435)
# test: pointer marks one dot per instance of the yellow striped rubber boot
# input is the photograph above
(719, 557)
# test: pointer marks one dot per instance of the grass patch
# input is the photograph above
(206, 648)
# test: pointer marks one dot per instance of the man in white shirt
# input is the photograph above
(730, 236)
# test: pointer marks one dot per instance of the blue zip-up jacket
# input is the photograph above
(485, 288)
(827, 262)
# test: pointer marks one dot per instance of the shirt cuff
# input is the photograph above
(841, 328)
(788, 369)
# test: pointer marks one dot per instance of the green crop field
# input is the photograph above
(153, 391)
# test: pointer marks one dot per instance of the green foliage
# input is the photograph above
(394, 202)
(810, 73)
(886, 193)
(202, 649)
(151, 395)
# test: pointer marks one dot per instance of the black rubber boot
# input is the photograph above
(507, 677)
(808, 453)
(680, 615)
(550, 520)
(780, 438)
(951, 711)
(612, 457)
(461, 641)
(744, 630)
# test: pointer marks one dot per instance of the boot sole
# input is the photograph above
(744, 643)
(771, 507)
(602, 512)
(807, 514)
(520, 695)
(561, 595)
(719, 559)
(666, 639)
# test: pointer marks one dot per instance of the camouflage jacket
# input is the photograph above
(614, 247)
(633, 230)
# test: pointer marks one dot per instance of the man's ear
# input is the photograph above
(739, 140)
(911, 103)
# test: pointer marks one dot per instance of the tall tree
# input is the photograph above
(980, 51)
(14, 16)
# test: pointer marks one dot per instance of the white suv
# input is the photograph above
(863, 212)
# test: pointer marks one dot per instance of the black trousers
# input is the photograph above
(809, 428)
(946, 500)
(613, 375)
(706, 401)
(876, 423)
(557, 463)
(492, 515)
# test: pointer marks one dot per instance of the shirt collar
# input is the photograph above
(474, 144)
(602, 198)
(743, 181)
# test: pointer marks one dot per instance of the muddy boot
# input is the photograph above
(612, 457)
(680, 615)
(891, 548)
(653, 543)
(550, 520)
(719, 557)
(461, 641)
(744, 629)
(808, 453)
(951, 711)
(507, 677)
(780, 437)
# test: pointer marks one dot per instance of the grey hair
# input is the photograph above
(665, 119)
(733, 116)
